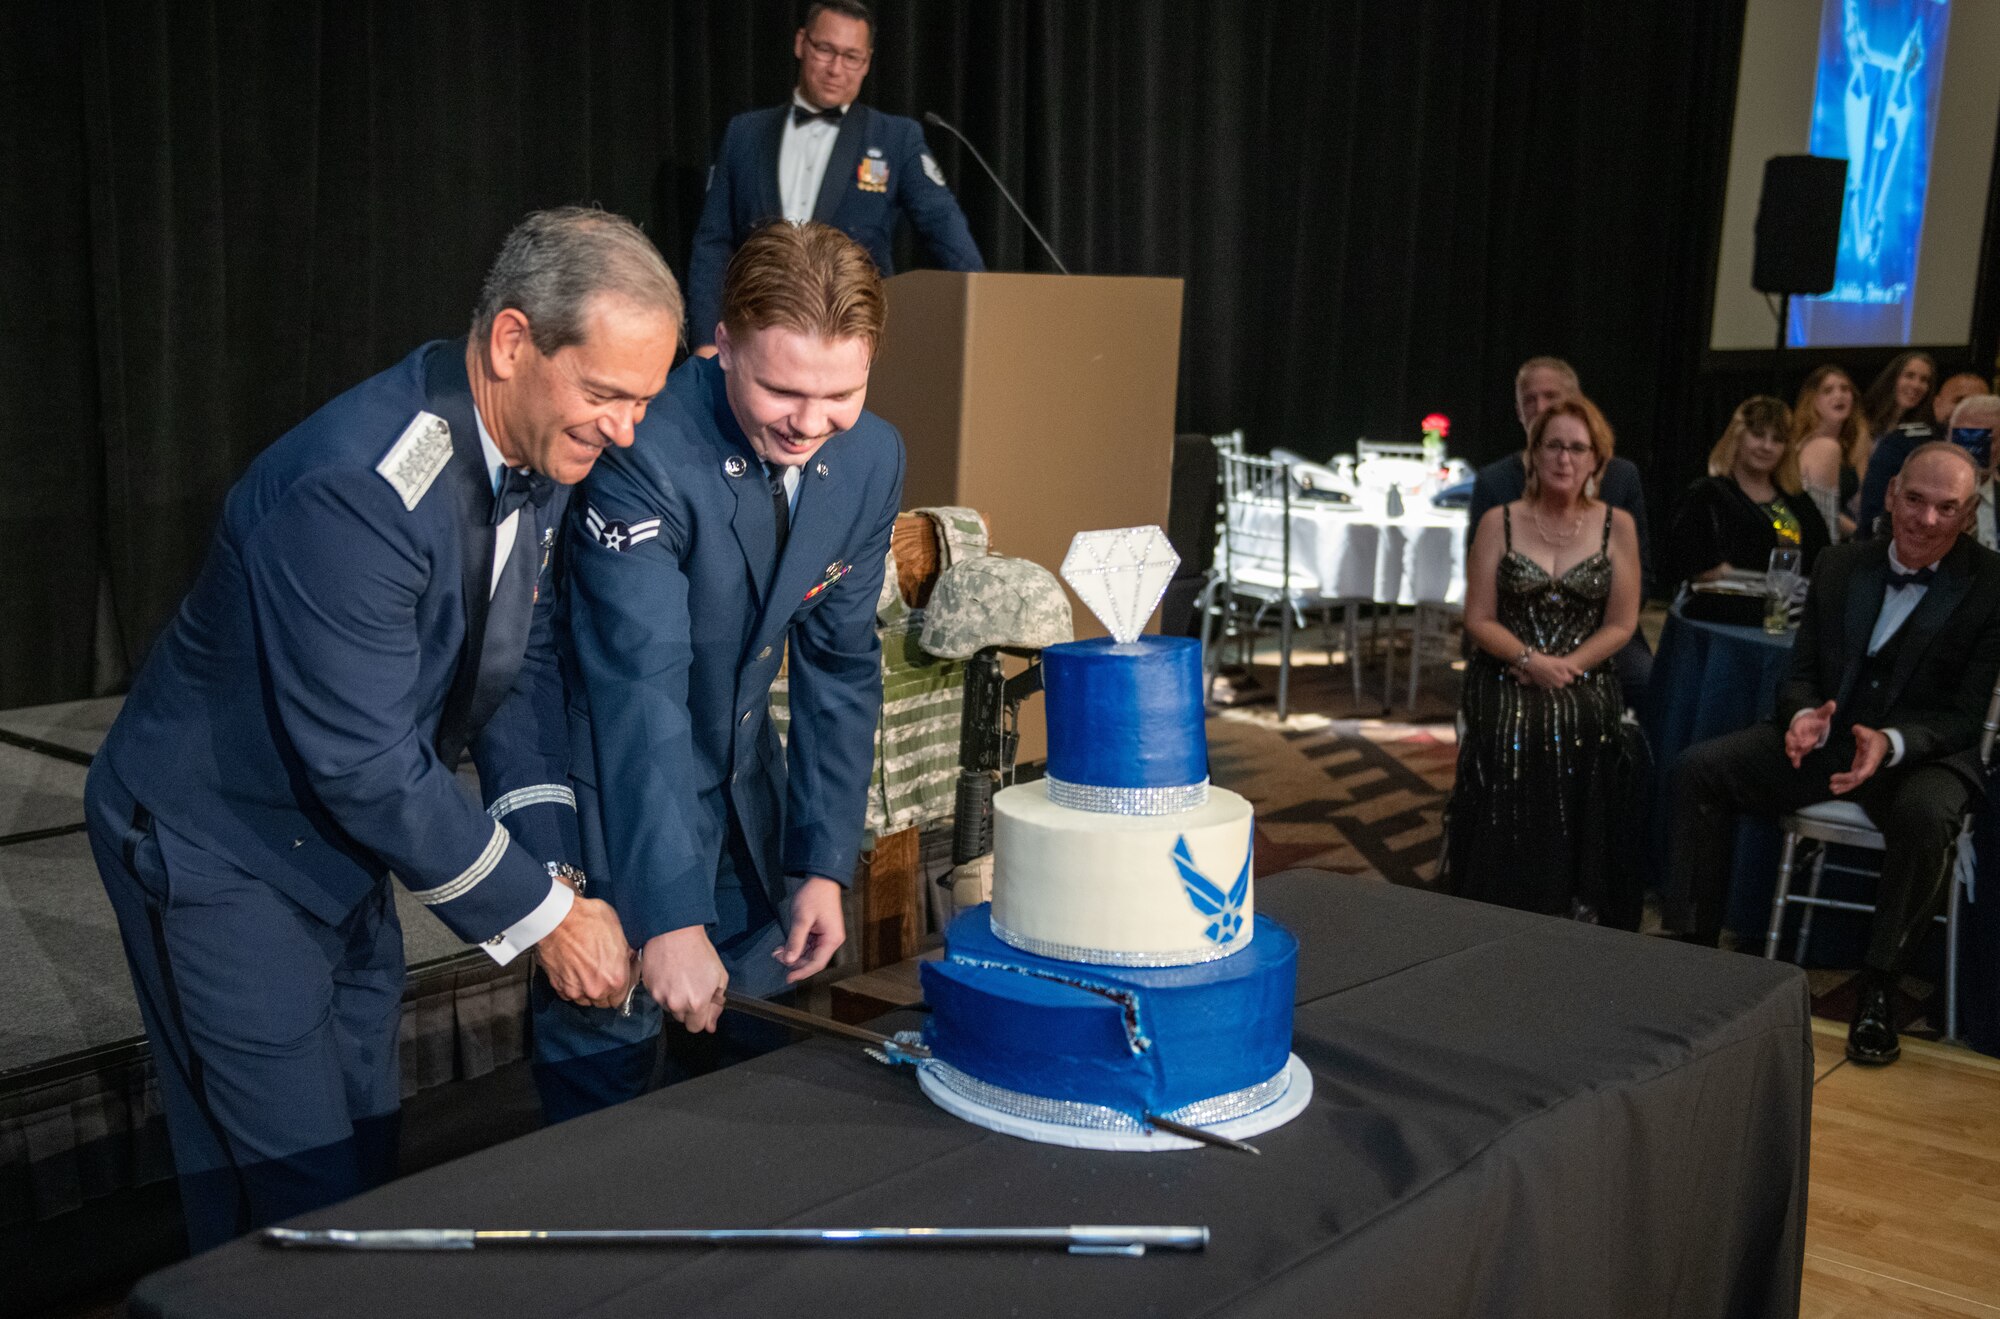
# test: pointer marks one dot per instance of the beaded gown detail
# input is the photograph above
(1546, 778)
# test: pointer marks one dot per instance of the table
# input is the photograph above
(1710, 679)
(1512, 1115)
(1358, 552)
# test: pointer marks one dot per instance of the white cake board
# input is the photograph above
(1298, 1093)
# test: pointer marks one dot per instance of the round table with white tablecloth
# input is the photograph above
(1359, 552)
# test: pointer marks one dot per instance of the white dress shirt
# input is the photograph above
(802, 157)
(1898, 603)
(549, 912)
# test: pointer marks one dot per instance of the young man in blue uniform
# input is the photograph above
(823, 157)
(378, 598)
(747, 527)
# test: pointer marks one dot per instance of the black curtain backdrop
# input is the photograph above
(225, 213)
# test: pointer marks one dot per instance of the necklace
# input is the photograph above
(1550, 536)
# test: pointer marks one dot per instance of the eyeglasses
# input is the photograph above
(1573, 450)
(850, 60)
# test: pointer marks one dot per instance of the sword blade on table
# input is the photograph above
(1186, 1132)
(784, 1016)
(1089, 1239)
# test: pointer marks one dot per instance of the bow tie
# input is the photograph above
(519, 486)
(801, 115)
(1921, 577)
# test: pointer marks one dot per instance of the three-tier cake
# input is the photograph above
(1121, 971)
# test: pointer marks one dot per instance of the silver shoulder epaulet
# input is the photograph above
(418, 455)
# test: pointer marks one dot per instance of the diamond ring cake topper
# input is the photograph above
(1121, 574)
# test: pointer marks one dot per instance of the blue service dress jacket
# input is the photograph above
(286, 719)
(880, 168)
(680, 612)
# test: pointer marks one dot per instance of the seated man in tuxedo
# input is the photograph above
(1540, 382)
(1891, 673)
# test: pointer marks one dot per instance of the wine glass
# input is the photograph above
(1781, 579)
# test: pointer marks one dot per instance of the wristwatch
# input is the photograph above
(565, 873)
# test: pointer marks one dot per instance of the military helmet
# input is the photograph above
(995, 601)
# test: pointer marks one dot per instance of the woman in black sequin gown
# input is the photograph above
(1539, 816)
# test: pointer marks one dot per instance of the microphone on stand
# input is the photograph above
(931, 117)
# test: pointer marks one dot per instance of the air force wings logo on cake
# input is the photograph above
(418, 455)
(1210, 900)
(618, 536)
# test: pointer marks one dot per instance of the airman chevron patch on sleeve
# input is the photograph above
(418, 455)
(618, 536)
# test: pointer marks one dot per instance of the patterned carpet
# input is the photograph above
(1349, 789)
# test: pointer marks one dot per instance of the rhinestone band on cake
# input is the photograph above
(1096, 1117)
(1064, 952)
(1127, 801)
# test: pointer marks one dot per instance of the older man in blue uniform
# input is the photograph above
(823, 157)
(749, 520)
(376, 600)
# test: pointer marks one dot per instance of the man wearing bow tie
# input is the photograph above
(1891, 673)
(377, 599)
(823, 157)
(746, 528)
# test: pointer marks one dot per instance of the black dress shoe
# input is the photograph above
(1872, 1037)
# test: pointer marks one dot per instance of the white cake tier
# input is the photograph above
(1122, 890)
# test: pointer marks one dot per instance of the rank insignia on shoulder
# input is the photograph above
(872, 175)
(931, 170)
(418, 455)
(618, 536)
(834, 572)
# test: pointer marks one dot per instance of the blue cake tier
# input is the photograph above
(1125, 716)
(1152, 1040)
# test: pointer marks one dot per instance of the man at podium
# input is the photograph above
(822, 157)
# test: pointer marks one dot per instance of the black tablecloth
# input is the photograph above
(1513, 1115)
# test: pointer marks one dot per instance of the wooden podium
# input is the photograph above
(1044, 401)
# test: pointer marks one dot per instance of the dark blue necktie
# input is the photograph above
(781, 506)
(801, 115)
(520, 486)
(1921, 577)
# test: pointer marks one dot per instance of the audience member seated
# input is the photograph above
(1749, 503)
(1889, 452)
(1973, 423)
(1890, 449)
(1540, 382)
(1538, 817)
(1899, 393)
(1833, 441)
(1891, 671)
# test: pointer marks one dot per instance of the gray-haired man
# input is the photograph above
(377, 600)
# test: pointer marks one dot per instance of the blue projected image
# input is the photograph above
(1881, 63)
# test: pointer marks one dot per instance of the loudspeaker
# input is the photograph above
(1798, 224)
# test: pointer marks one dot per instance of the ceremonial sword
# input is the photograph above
(891, 1050)
(1087, 1239)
